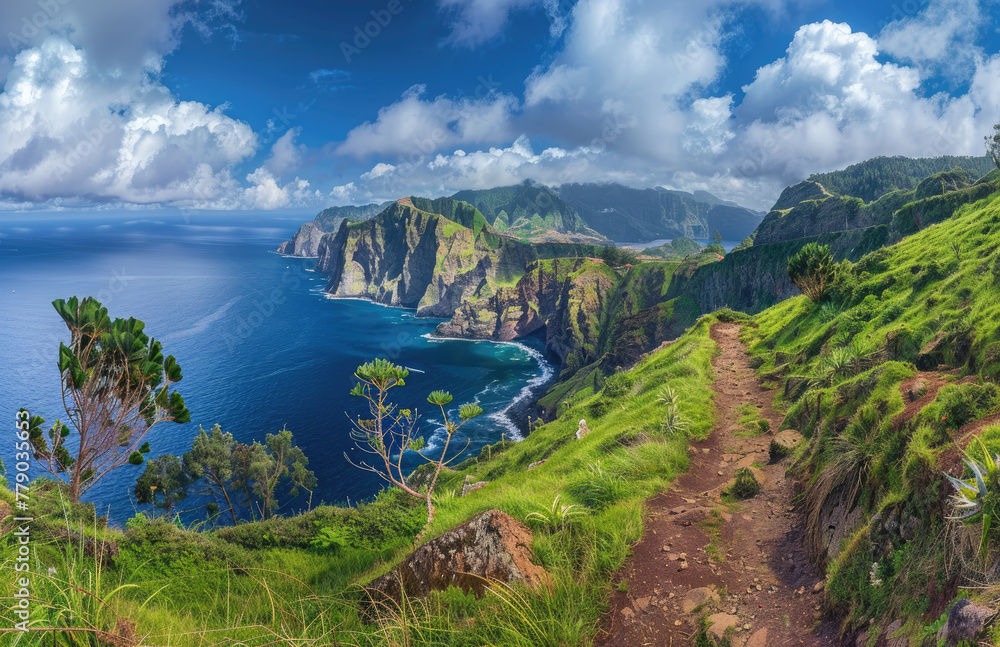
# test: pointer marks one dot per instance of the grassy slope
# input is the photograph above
(263, 579)
(921, 303)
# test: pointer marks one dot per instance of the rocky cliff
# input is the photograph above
(565, 297)
(413, 258)
(756, 278)
(305, 242)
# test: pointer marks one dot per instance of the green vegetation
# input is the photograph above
(115, 389)
(295, 579)
(871, 179)
(390, 431)
(874, 473)
(993, 146)
(745, 484)
(675, 250)
(527, 210)
(812, 270)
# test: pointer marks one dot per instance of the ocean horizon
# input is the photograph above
(262, 346)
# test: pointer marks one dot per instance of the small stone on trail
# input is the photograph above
(697, 597)
(719, 622)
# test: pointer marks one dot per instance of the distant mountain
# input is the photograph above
(624, 214)
(305, 242)
(530, 211)
(871, 179)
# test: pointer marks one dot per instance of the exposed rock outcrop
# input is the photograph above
(305, 242)
(966, 620)
(491, 547)
(566, 297)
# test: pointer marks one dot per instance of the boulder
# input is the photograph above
(491, 547)
(784, 443)
(965, 621)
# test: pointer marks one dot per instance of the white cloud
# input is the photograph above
(830, 103)
(70, 131)
(266, 193)
(939, 38)
(475, 22)
(86, 121)
(417, 126)
(285, 156)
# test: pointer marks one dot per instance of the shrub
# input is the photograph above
(745, 485)
(330, 538)
(672, 422)
(960, 404)
(978, 498)
(138, 521)
(812, 270)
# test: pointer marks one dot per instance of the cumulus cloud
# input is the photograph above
(830, 102)
(418, 125)
(285, 156)
(939, 38)
(87, 121)
(69, 131)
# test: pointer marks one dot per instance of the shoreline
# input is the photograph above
(514, 417)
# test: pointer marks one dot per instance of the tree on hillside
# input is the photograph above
(617, 256)
(812, 270)
(284, 462)
(717, 237)
(164, 476)
(116, 386)
(391, 431)
(211, 459)
(993, 145)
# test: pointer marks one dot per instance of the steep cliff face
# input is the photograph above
(412, 258)
(305, 243)
(567, 297)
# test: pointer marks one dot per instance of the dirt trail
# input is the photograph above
(743, 564)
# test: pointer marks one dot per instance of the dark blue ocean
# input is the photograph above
(260, 345)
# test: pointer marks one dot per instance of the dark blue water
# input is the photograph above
(260, 345)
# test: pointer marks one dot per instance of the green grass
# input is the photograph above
(917, 305)
(262, 583)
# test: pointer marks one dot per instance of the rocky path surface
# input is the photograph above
(741, 566)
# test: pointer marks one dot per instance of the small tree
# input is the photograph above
(717, 237)
(248, 461)
(812, 270)
(390, 431)
(284, 462)
(164, 476)
(115, 389)
(993, 145)
(211, 458)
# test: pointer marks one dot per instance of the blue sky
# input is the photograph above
(259, 105)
